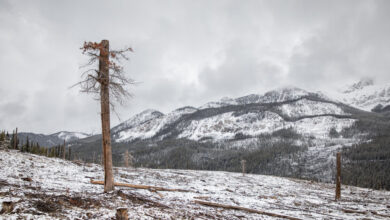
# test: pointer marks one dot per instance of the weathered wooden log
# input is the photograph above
(212, 204)
(121, 214)
(151, 188)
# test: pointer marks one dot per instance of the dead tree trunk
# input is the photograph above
(243, 166)
(101, 82)
(105, 115)
(64, 151)
(338, 177)
(126, 159)
(16, 139)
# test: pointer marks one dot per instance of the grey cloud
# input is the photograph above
(186, 52)
(240, 73)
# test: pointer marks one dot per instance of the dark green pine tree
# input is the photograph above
(27, 145)
(2, 136)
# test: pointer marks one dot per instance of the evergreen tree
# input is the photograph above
(333, 133)
(27, 145)
(2, 136)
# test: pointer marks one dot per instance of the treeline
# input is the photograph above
(265, 154)
(367, 164)
(60, 151)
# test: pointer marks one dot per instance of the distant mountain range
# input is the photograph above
(284, 132)
(309, 113)
(51, 139)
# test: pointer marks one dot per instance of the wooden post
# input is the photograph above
(121, 214)
(338, 177)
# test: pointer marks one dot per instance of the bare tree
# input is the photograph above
(107, 82)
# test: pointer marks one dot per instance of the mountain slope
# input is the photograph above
(285, 132)
(62, 190)
(249, 115)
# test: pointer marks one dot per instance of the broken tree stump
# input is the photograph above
(121, 214)
(151, 188)
(245, 209)
(8, 207)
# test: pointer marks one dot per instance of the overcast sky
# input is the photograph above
(185, 53)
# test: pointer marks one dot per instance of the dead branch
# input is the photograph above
(151, 188)
(245, 209)
(364, 212)
(142, 199)
(93, 79)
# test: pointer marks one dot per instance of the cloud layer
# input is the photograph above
(186, 53)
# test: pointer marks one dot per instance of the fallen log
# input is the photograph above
(151, 188)
(245, 209)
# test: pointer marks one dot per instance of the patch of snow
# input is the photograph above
(69, 136)
(306, 107)
(147, 128)
(365, 95)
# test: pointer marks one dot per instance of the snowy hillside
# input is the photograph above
(249, 115)
(366, 95)
(70, 136)
(48, 188)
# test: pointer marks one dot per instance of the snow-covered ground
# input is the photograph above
(61, 189)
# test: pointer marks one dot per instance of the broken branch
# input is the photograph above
(245, 209)
(151, 188)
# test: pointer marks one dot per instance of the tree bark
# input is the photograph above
(105, 115)
(338, 177)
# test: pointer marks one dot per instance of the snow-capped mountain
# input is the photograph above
(298, 131)
(51, 139)
(366, 95)
(70, 136)
(308, 113)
